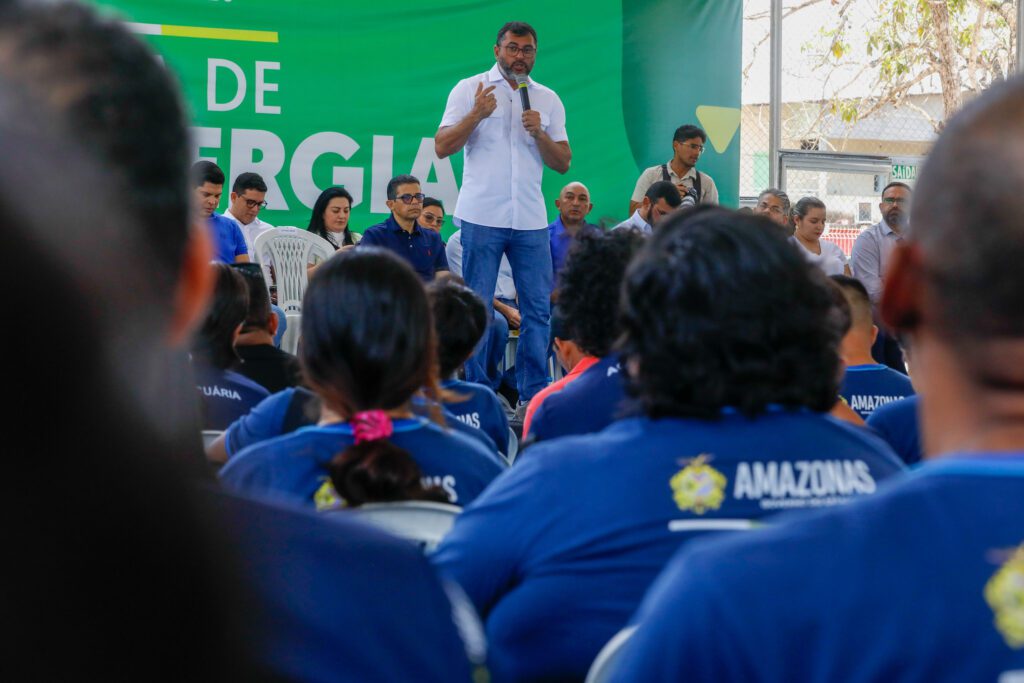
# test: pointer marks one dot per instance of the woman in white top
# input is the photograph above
(809, 223)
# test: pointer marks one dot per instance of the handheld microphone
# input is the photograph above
(521, 82)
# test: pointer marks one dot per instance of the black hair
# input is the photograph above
(368, 341)
(104, 85)
(664, 189)
(719, 310)
(896, 183)
(460, 320)
(688, 132)
(248, 181)
(204, 171)
(516, 28)
(258, 314)
(589, 284)
(404, 179)
(431, 201)
(856, 297)
(806, 204)
(214, 343)
(316, 219)
(380, 475)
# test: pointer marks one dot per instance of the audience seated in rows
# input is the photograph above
(261, 361)
(225, 395)
(892, 587)
(574, 361)
(368, 347)
(460, 319)
(589, 302)
(866, 384)
(730, 342)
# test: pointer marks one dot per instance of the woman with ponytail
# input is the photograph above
(368, 346)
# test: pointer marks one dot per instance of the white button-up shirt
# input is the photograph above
(635, 222)
(250, 232)
(870, 257)
(501, 176)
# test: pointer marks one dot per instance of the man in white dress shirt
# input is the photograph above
(501, 208)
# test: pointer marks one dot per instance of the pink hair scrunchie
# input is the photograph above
(371, 425)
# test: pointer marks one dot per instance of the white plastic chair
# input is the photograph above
(513, 446)
(291, 251)
(423, 522)
(604, 664)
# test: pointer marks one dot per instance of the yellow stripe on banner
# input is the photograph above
(219, 33)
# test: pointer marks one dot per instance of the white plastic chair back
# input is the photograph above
(604, 664)
(291, 251)
(209, 436)
(513, 446)
(423, 522)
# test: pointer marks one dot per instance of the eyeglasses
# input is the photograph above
(410, 198)
(898, 201)
(429, 219)
(252, 203)
(515, 50)
(697, 148)
(765, 206)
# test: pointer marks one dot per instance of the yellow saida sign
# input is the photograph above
(698, 487)
(1004, 593)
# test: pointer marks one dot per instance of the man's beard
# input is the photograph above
(506, 69)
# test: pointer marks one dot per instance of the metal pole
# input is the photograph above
(775, 93)
(1020, 37)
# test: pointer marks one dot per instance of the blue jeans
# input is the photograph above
(529, 254)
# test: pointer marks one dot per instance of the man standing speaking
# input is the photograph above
(510, 126)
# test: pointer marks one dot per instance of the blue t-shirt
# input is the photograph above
(588, 404)
(225, 395)
(896, 422)
(422, 248)
(866, 387)
(922, 582)
(558, 552)
(293, 467)
(288, 410)
(337, 601)
(228, 240)
(481, 410)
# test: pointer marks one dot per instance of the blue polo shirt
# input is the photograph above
(225, 395)
(897, 423)
(885, 589)
(561, 241)
(481, 410)
(586, 405)
(558, 552)
(334, 600)
(422, 248)
(866, 387)
(228, 240)
(293, 468)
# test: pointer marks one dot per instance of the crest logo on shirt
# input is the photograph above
(698, 487)
(326, 498)
(1004, 593)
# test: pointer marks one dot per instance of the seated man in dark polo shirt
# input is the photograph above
(260, 360)
(401, 233)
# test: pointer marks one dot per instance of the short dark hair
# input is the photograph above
(431, 201)
(589, 284)
(516, 28)
(719, 310)
(806, 204)
(258, 315)
(664, 189)
(897, 183)
(404, 179)
(106, 85)
(688, 132)
(204, 171)
(215, 341)
(856, 295)
(460, 320)
(248, 181)
(316, 218)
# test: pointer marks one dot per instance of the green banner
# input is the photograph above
(322, 92)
